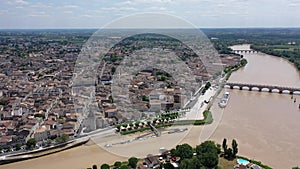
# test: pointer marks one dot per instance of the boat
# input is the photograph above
(224, 100)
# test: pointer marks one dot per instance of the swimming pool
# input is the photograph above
(243, 161)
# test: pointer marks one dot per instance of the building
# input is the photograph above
(110, 113)
(43, 133)
(152, 161)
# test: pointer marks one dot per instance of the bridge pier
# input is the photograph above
(241, 87)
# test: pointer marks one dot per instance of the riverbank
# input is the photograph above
(10, 158)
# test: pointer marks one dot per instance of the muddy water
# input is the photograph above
(266, 125)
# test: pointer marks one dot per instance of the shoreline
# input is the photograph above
(11, 158)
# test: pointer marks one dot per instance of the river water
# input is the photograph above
(265, 125)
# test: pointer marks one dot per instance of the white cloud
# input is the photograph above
(17, 2)
(143, 2)
(70, 7)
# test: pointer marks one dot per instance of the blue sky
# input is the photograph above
(96, 13)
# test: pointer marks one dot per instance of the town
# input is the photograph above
(36, 96)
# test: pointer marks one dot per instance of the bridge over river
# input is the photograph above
(260, 88)
(240, 51)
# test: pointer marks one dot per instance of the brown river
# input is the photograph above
(265, 125)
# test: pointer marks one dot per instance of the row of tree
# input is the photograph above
(132, 163)
(165, 118)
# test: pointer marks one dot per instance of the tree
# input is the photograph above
(195, 163)
(124, 167)
(224, 144)
(168, 165)
(30, 143)
(133, 162)
(184, 151)
(137, 123)
(18, 146)
(117, 164)
(184, 164)
(234, 147)
(62, 139)
(243, 62)
(208, 154)
(94, 166)
(173, 151)
(118, 126)
(229, 154)
(207, 146)
(131, 125)
(105, 166)
(210, 160)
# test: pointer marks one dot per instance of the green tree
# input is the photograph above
(243, 62)
(184, 151)
(184, 164)
(224, 144)
(94, 166)
(173, 151)
(105, 166)
(295, 168)
(62, 139)
(207, 146)
(31, 143)
(18, 146)
(118, 126)
(208, 154)
(195, 163)
(168, 165)
(229, 154)
(131, 125)
(124, 167)
(133, 162)
(234, 148)
(117, 164)
(210, 159)
(137, 123)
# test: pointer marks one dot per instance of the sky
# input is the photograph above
(57, 14)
